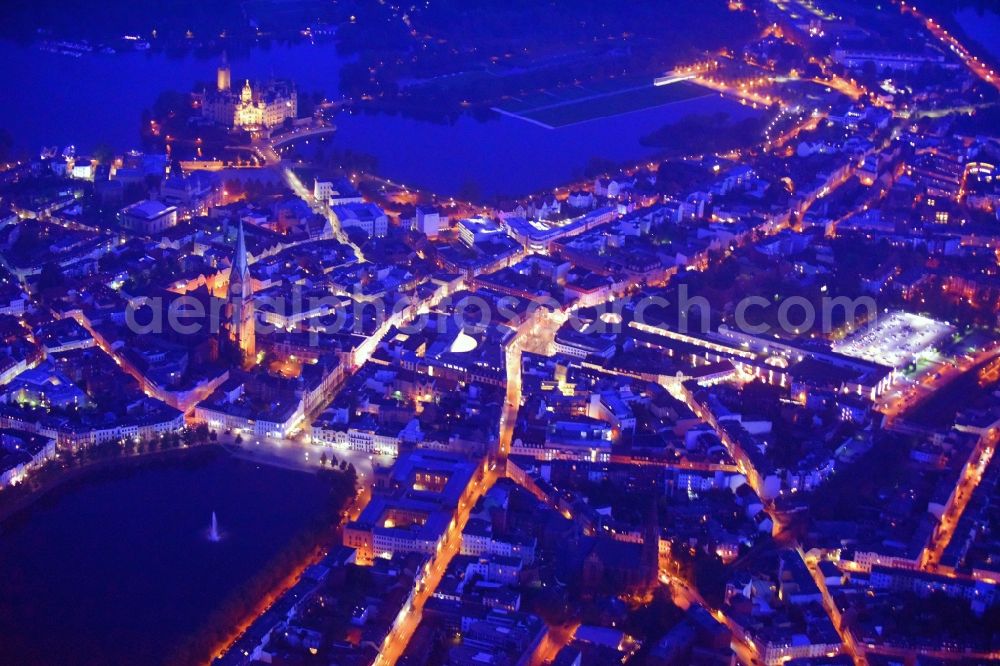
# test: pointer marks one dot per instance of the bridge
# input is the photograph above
(267, 149)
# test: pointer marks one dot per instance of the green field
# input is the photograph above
(562, 110)
(547, 99)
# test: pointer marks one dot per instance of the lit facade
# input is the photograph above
(254, 106)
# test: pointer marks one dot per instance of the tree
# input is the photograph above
(597, 165)
(6, 145)
(50, 277)
(170, 102)
(470, 191)
(104, 153)
(201, 433)
(869, 71)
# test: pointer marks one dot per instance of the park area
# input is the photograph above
(579, 104)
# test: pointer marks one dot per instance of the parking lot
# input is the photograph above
(897, 340)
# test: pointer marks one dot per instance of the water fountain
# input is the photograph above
(213, 531)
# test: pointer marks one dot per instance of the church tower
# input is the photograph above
(650, 564)
(241, 302)
(222, 77)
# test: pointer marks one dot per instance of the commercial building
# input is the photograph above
(367, 217)
(413, 505)
(148, 217)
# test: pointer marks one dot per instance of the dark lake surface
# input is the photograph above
(99, 98)
(505, 156)
(55, 99)
(118, 569)
(982, 26)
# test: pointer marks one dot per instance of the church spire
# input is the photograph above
(241, 306)
(240, 265)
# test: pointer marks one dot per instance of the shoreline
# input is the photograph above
(175, 47)
(227, 614)
(251, 456)
(65, 479)
(519, 116)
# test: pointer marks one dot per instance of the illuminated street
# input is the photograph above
(968, 480)
(565, 335)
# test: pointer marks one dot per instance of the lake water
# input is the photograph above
(119, 570)
(100, 98)
(54, 99)
(506, 156)
(983, 27)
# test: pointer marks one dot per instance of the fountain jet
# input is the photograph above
(213, 531)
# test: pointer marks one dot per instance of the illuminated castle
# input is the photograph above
(241, 306)
(223, 76)
(255, 106)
